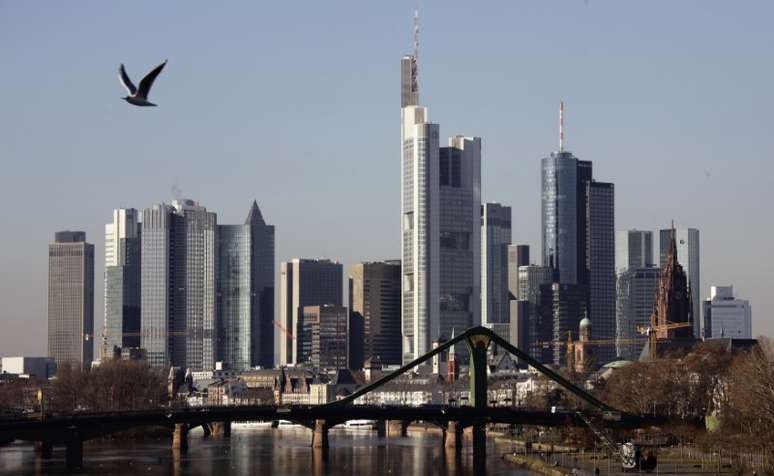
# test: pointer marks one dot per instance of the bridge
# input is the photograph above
(75, 428)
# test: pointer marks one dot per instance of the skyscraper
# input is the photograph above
(518, 256)
(246, 292)
(122, 282)
(578, 239)
(460, 235)
(726, 316)
(600, 257)
(304, 282)
(687, 242)
(71, 298)
(495, 238)
(178, 281)
(636, 293)
(374, 290)
(532, 321)
(440, 224)
(633, 249)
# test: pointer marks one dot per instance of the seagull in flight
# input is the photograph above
(139, 96)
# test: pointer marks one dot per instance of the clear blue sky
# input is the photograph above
(296, 104)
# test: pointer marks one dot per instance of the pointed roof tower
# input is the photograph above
(254, 216)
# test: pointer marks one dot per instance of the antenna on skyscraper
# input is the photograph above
(561, 126)
(416, 51)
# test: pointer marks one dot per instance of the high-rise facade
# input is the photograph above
(600, 256)
(688, 253)
(578, 242)
(518, 256)
(440, 224)
(246, 292)
(495, 238)
(460, 235)
(570, 306)
(374, 300)
(122, 282)
(304, 282)
(726, 316)
(178, 285)
(636, 293)
(633, 249)
(532, 322)
(325, 343)
(71, 299)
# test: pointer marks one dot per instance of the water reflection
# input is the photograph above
(285, 451)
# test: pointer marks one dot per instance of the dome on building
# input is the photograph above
(585, 322)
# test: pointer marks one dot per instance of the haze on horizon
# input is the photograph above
(670, 100)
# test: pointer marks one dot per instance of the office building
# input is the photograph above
(569, 308)
(601, 266)
(304, 282)
(726, 316)
(374, 290)
(636, 292)
(122, 283)
(178, 285)
(71, 299)
(633, 249)
(440, 224)
(41, 368)
(246, 293)
(532, 322)
(325, 337)
(518, 256)
(495, 238)
(688, 253)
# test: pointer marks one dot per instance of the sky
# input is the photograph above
(296, 105)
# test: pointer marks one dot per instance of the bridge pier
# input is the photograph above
(221, 429)
(452, 436)
(180, 437)
(44, 449)
(397, 428)
(74, 454)
(320, 435)
(207, 429)
(479, 448)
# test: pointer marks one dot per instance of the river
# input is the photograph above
(266, 451)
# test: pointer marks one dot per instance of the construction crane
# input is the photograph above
(284, 330)
(653, 330)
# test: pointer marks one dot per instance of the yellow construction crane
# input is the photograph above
(653, 330)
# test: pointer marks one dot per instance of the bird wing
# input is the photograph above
(147, 81)
(126, 81)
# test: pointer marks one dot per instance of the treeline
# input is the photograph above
(115, 384)
(735, 392)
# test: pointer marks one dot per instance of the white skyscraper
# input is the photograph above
(420, 232)
(726, 316)
(687, 240)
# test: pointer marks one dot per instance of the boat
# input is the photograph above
(360, 424)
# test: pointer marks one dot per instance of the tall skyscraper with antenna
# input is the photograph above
(440, 223)
(578, 242)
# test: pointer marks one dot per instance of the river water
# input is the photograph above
(266, 451)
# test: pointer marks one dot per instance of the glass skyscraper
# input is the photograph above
(495, 238)
(122, 282)
(178, 282)
(636, 290)
(246, 292)
(601, 265)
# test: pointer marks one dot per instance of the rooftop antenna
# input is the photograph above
(416, 51)
(561, 126)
